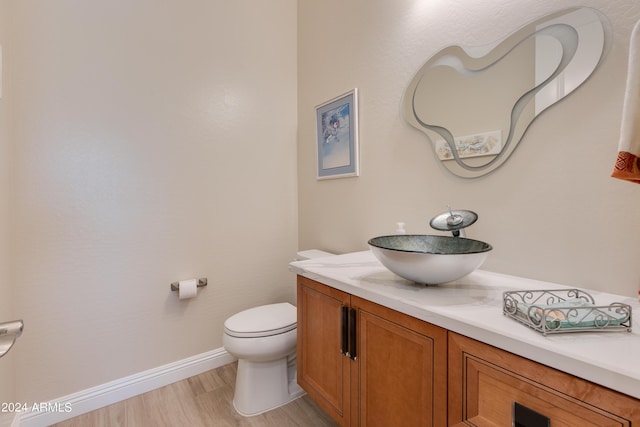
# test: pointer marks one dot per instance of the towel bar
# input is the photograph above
(9, 332)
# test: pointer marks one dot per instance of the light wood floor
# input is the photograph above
(203, 400)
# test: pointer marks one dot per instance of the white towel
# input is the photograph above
(628, 162)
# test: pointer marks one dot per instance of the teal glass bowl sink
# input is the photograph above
(429, 259)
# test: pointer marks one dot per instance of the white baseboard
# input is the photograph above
(100, 396)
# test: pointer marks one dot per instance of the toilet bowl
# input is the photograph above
(263, 339)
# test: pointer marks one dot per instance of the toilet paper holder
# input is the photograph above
(201, 283)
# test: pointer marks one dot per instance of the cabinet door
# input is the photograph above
(323, 371)
(401, 370)
(485, 381)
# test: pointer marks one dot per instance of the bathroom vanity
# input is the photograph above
(375, 349)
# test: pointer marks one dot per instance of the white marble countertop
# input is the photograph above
(472, 306)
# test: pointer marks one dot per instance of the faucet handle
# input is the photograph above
(453, 220)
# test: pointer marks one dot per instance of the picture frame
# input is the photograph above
(337, 137)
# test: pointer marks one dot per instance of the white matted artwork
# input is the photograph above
(337, 137)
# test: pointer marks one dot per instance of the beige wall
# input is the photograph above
(7, 369)
(152, 142)
(552, 212)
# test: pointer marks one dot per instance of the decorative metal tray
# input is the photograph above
(565, 310)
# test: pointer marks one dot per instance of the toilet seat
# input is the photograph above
(263, 321)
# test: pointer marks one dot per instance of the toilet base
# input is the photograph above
(263, 386)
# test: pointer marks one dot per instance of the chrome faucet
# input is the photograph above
(454, 221)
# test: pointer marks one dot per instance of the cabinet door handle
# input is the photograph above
(525, 417)
(344, 334)
(352, 334)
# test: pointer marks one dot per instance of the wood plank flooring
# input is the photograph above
(200, 401)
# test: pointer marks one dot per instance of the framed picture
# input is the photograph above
(337, 137)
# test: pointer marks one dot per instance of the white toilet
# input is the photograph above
(263, 339)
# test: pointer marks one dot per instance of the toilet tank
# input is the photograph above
(312, 253)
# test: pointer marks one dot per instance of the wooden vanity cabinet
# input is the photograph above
(367, 365)
(485, 381)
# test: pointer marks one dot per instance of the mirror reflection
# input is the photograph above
(475, 104)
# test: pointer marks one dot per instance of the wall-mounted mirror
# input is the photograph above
(475, 104)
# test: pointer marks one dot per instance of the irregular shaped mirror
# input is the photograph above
(476, 104)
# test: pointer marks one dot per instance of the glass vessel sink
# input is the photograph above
(429, 259)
